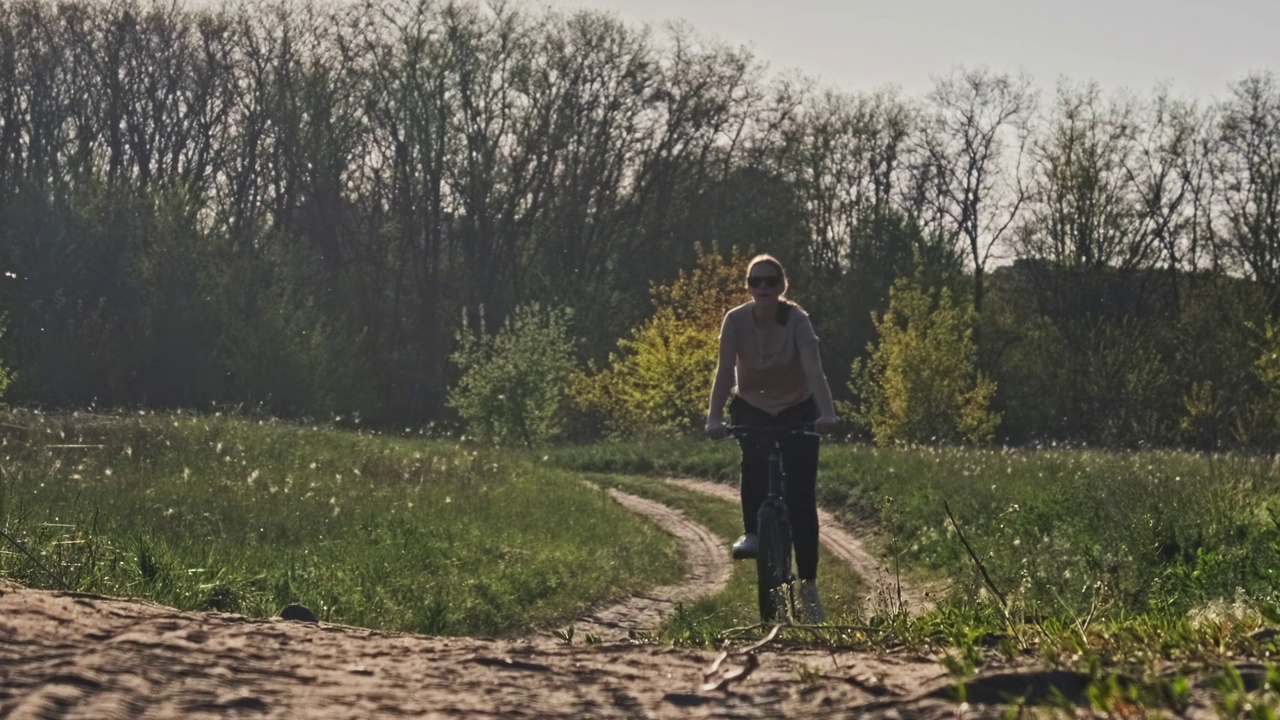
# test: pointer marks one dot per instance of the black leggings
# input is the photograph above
(800, 458)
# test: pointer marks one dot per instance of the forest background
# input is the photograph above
(401, 214)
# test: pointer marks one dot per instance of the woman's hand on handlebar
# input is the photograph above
(716, 429)
(826, 424)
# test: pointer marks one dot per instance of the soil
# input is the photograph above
(74, 655)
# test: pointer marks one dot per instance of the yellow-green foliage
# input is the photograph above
(921, 383)
(660, 376)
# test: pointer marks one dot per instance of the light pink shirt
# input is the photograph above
(767, 360)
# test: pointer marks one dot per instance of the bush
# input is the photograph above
(660, 377)
(921, 383)
(513, 382)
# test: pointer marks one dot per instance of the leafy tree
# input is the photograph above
(659, 377)
(921, 383)
(513, 382)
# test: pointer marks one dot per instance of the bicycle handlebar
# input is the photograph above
(745, 431)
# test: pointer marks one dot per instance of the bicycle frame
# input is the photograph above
(774, 576)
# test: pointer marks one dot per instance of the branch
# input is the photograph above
(985, 577)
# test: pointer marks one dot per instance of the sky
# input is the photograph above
(1195, 47)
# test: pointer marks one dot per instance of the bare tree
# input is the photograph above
(559, 137)
(697, 127)
(1248, 180)
(1086, 209)
(970, 160)
(1169, 172)
(843, 156)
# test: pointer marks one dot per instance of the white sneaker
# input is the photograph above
(810, 604)
(746, 547)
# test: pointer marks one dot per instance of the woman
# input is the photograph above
(769, 346)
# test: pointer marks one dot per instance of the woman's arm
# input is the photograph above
(818, 387)
(721, 383)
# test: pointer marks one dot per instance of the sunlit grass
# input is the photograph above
(228, 514)
(1076, 531)
(1059, 530)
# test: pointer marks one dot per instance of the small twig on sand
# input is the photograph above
(1004, 604)
(729, 677)
(773, 634)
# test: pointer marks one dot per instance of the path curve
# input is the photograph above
(709, 568)
(707, 574)
(893, 593)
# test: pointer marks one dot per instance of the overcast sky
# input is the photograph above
(1197, 47)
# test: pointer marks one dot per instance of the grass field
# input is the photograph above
(230, 514)
(1059, 531)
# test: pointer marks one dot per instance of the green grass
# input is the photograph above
(229, 514)
(1071, 531)
(1060, 531)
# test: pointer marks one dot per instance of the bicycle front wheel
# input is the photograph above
(773, 561)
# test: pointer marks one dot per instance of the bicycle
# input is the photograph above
(774, 576)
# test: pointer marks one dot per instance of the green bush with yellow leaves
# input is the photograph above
(921, 383)
(659, 378)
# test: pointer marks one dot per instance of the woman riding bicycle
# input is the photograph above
(769, 346)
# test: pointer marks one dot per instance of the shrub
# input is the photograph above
(921, 383)
(659, 378)
(513, 382)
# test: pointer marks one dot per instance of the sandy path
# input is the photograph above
(892, 593)
(77, 656)
(709, 568)
(707, 574)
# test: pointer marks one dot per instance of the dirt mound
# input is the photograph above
(80, 656)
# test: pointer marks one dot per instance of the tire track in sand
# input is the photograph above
(710, 567)
(890, 592)
(708, 573)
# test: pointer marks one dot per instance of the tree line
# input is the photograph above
(303, 207)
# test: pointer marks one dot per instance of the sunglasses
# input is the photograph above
(772, 281)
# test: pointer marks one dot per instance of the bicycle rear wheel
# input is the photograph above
(773, 561)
